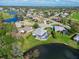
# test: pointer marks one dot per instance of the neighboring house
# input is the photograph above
(35, 17)
(58, 19)
(64, 14)
(76, 37)
(13, 9)
(57, 14)
(16, 35)
(5, 10)
(25, 30)
(30, 12)
(40, 34)
(18, 24)
(1, 9)
(60, 29)
(41, 13)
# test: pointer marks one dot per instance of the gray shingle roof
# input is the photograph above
(58, 28)
(76, 37)
(39, 31)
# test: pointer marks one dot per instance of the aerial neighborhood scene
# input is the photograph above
(25, 27)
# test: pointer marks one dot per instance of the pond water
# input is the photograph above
(14, 19)
(52, 51)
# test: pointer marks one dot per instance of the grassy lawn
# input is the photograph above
(30, 41)
(75, 16)
(60, 38)
(5, 15)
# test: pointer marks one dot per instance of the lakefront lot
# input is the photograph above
(28, 28)
(30, 41)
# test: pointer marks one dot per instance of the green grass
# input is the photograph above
(66, 40)
(75, 16)
(30, 41)
(5, 15)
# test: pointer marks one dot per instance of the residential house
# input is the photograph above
(18, 24)
(13, 9)
(60, 29)
(30, 12)
(16, 35)
(40, 34)
(58, 19)
(26, 29)
(76, 37)
(57, 14)
(41, 13)
(64, 14)
(1, 9)
(21, 31)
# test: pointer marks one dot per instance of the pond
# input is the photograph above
(10, 20)
(52, 51)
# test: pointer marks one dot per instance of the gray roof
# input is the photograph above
(59, 28)
(25, 29)
(18, 24)
(39, 31)
(76, 37)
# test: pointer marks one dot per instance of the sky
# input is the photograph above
(39, 2)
